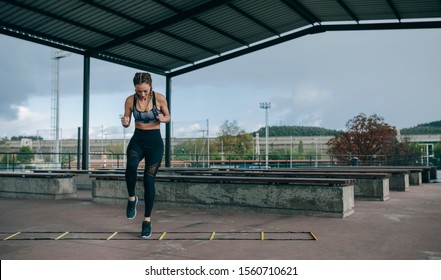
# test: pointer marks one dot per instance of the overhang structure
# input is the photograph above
(174, 37)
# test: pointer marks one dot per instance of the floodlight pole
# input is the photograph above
(266, 106)
(55, 110)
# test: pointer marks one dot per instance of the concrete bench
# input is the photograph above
(83, 180)
(398, 180)
(41, 185)
(417, 175)
(312, 196)
(367, 186)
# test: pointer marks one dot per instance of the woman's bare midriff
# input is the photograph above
(148, 126)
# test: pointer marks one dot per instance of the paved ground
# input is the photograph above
(406, 227)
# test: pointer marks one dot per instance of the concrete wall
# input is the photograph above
(372, 189)
(399, 182)
(29, 187)
(335, 201)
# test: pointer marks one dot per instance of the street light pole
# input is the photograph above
(266, 106)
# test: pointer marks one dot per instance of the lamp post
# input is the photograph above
(55, 110)
(266, 106)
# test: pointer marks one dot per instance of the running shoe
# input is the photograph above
(146, 231)
(131, 208)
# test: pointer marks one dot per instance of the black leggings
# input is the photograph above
(144, 144)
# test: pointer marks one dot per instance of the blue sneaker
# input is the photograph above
(131, 208)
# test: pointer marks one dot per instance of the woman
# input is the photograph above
(149, 109)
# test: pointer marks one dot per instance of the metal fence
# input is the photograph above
(16, 161)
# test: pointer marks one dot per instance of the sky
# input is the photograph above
(319, 80)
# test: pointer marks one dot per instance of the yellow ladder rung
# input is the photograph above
(110, 237)
(212, 235)
(11, 236)
(61, 236)
(162, 235)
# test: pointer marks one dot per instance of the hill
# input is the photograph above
(275, 131)
(278, 131)
(425, 128)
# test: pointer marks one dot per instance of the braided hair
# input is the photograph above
(142, 77)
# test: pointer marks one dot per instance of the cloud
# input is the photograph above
(304, 106)
(24, 121)
(188, 130)
(311, 96)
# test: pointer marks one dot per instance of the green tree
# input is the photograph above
(300, 148)
(25, 155)
(233, 140)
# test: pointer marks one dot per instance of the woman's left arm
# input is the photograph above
(162, 105)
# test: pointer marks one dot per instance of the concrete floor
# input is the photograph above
(406, 227)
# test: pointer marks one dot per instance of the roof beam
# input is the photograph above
(243, 13)
(57, 17)
(311, 30)
(394, 10)
(278, 40)
(142, 65)
(86, 27)
(302, 11)
(348, 10)
(240, 41)
(162, 24)
(209, 26)
(39, 38)
(166, 33)
(141, 23)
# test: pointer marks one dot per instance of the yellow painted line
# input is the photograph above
(162, 235)
(61, 236)
(212, 235)
(262, 236)
(313, 236)
(11, 236)
(110, 237)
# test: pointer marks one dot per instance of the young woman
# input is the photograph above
(149, 109)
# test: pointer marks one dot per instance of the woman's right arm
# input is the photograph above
(128, 107)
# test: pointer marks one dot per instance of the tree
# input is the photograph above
(25, 155)
(369, 136)
(301, 149)
(233, 140)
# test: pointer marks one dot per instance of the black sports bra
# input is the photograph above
(146, 117)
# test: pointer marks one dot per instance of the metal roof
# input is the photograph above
(172, 37)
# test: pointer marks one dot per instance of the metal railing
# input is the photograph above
(16, 161)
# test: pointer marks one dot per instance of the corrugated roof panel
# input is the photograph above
(15, 16)
(370, 10)
(185, 5)
(18, 16)
(116, 26)
(326, 10)
(173, 46)
(73, 34)
(148, 12)
(419, 8)
(202, 35)
(239, 26)
(96, 18)
(274, 14)
(55, 7)
(143, 55)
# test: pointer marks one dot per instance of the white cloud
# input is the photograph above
(188, 130)
(311, 96)
(26, 122)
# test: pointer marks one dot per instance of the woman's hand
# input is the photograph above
(161, 118)
(125, 121)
